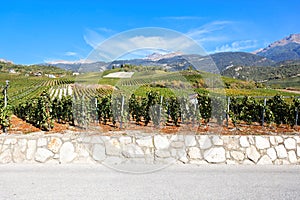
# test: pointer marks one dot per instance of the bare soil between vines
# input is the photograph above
(20, 126)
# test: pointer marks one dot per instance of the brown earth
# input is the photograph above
(20, 126)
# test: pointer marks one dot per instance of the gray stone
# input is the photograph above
(198, 162)
(217, 140)
(145, 142)
(162, 153)
(248, 162)
(273, 140)
(231, 142)
(252, 153)
(125, 140)
(292, 157)
(272, 154)
(285, 162)
(278, 162)
(132, 151)
(262, 142)
(180, 153)
(215, 155)
(297, 138)
(149, 152)
(265, 160)
(10, 141)
(173, 153)
(204, 142)
(42, 155)
(184, 159)
(161, 142)
(41, 142)
(6, 157)
(177, 138)
(177, 144)
(231, 162)
(278, 139)
(31, 148)
(81, 150)
(18, 154)
(54, 144)
(298, 150)
(190, 141)
(228, 156)
(281, 151)
(67, 153)
(112, 147)
(56, 156)
(194, 153)
(251, 139)
(244, 141)
(99, 152)
(237, 155)
(22, 143)
(290, 143)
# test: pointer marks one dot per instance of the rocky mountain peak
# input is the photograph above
(293, 38)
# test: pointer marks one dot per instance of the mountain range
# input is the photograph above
(275, 54)
(286, 49)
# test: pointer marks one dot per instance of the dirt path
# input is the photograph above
(291, 91)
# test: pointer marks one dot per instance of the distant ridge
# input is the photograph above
(287, 48)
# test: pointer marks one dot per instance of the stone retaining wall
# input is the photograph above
(138, 148)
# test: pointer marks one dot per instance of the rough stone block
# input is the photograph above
(244, 141)
(237, 155)
(215, 155)
(54, 144)
(98, 152)
(190, 141)
(292, 157)
(42, 155)
(290, 143)
(262, 142)
(204, 142)
(161, 142)
(272, 154)
(67, 153)
(194, 153)
(265, 160)
(281, 151)
(252, 153)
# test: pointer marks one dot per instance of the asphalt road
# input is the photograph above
(175, 182)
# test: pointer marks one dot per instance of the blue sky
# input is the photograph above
(39, 31)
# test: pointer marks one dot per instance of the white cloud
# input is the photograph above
(57, 61)
(237, 46)
(208, 28)
(143, 38)
(104, 29)
(93, 38)
(211, 34)
(71, 53)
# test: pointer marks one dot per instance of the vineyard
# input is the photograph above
(155, 99)
(159, 111)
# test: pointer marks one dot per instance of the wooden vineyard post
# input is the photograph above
(297, 114)
(263, 112)
(160, 109)
(5, 103)
(227, 113)
(96, 110)
(122, 110)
